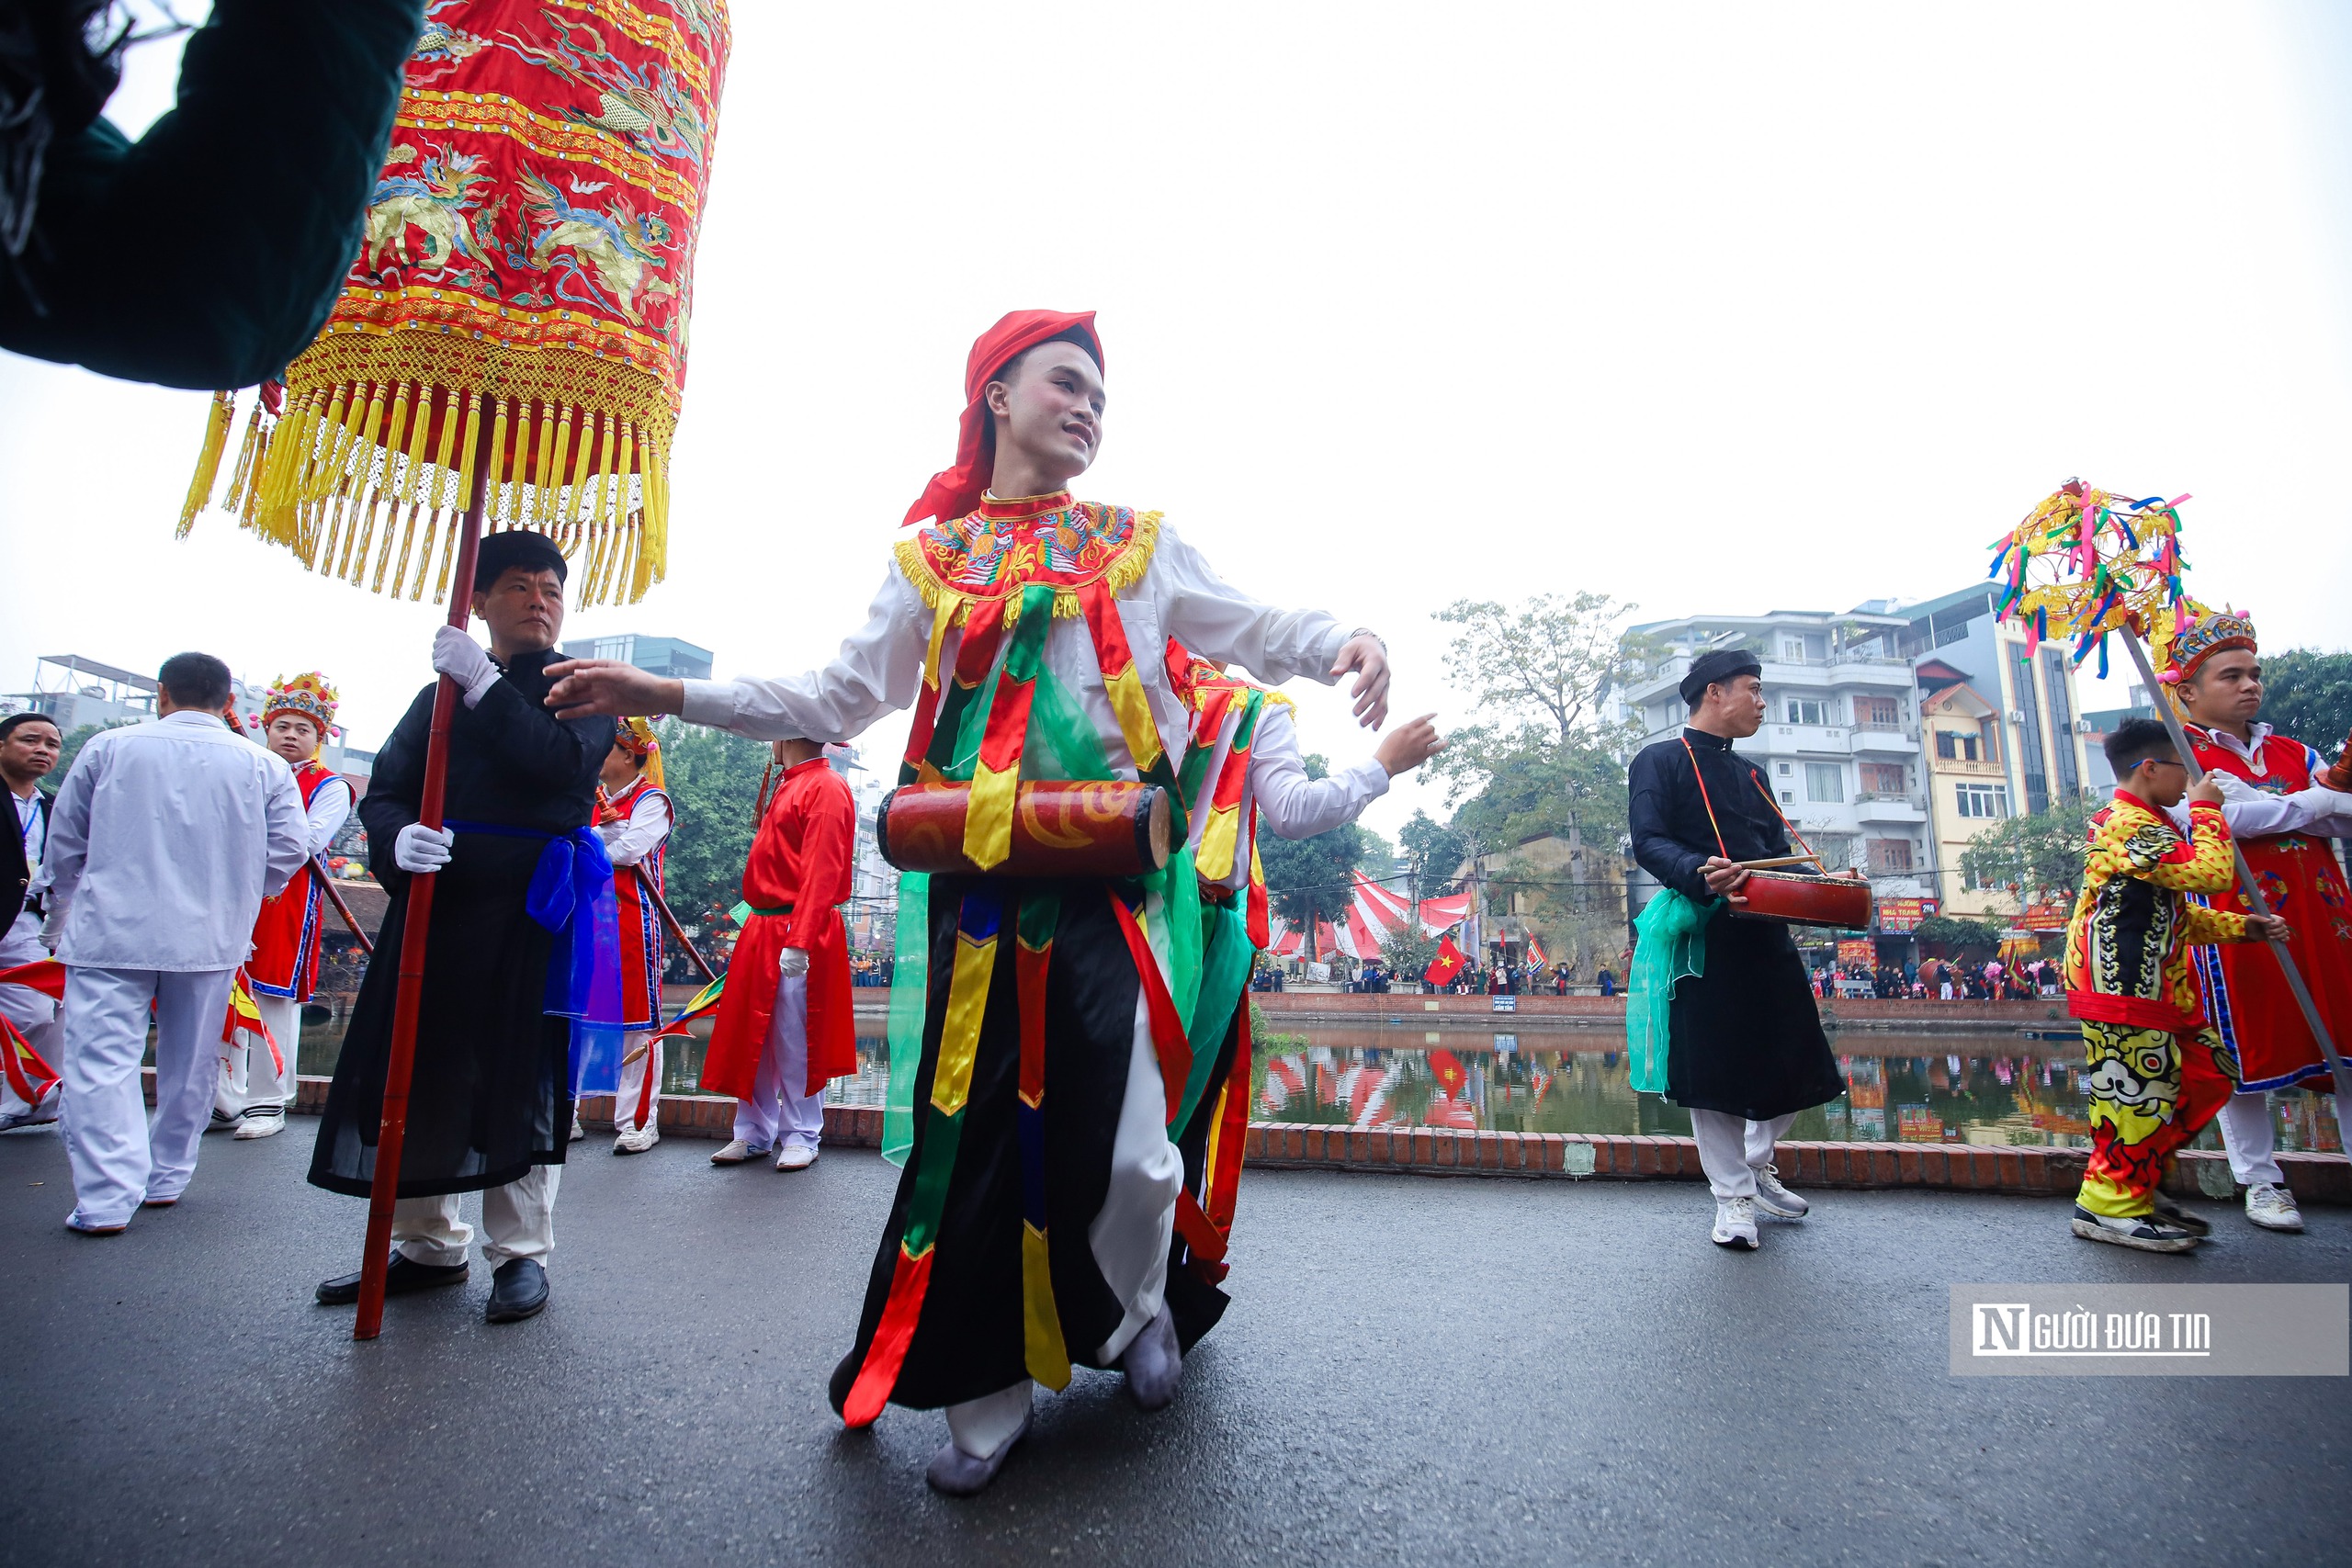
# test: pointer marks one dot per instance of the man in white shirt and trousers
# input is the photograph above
(29, 743)
(164, 839)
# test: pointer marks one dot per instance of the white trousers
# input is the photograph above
(2252, 1139)
(777, 1108)
(1732, 1148)
(637, 1103)
(518, 1221)
(119, 1160)
(1130, 1238)
(248, 1079)
(32, 1011)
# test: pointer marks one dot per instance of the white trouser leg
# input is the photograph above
(756, 1119)
(2252, 1139)
(428, 1230)
(249, 1079)
(189, 1008)
(799, 1117)
(32, 1011)
(1723, 1153)
(105, 1115)
(518, 1219)
(635, 1104)
(1757, 1138)
(979, 1427)
(1130, 1235)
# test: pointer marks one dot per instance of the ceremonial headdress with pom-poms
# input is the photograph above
(307, 695)
(2197, 642)
(636, 736)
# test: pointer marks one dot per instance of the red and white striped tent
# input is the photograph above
(1375, 911)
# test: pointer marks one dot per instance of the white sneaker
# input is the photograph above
(2272, 1208)
(736, 1152)
(1776, 1200)
(795, 1156)
(262, 1121)
(637, 1140)
(38, 1115)
(578, 1132)
(1735, 1223)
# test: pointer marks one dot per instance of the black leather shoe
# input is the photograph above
(404, 1276)
(517, 1290)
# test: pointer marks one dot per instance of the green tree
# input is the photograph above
(1306, 879)
(1408, 950)
(1959, 932)
(2307, 695)
(2037, 857)
(713, 779)
(1435, 851)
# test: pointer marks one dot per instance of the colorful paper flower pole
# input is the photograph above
(2085, 564)
(509, 351)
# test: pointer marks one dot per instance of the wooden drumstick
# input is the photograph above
(1779, 860)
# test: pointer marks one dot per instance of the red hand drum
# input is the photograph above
(1805, 898)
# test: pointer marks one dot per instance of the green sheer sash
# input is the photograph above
(1673, 944)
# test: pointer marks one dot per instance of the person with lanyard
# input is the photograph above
(490, 1104)
(257, 1073)
(165, 839)
(2282, 815)
(30, 1088)
(1031, 1226)
(785, 1021)
(633, 818)
(1726, 997)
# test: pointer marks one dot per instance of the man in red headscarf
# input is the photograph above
(1043, 1198)
(2281, 818)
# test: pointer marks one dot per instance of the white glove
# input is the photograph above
(464, 661)
(53, 929)
(793, 961)
(421, 848)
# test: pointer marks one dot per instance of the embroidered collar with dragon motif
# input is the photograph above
(988, 556)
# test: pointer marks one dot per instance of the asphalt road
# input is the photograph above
(1413, 1370)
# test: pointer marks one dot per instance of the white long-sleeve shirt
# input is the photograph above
(165, 838)
(328, 809)
(633, 836)
(2254, 813)
(1294, 805)
(879, 668)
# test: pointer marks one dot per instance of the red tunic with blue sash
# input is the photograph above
(286, 934)
(640, 923)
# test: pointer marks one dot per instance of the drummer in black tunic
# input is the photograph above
(490, 1106)
(1746, 1050)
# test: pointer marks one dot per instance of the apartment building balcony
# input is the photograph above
(1965, 767)
(1876, 809)
(1903, 740)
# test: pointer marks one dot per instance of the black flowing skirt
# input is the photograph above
(489, 1095)
(968, 1340)
(1745, 1036)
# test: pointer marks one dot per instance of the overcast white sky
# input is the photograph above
(1715, 308)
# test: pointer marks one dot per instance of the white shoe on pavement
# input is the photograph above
(38, 1115)
(2273, 1208)
(2145, 1233)
(736, 1152)
(578, 1132)
(1776, 1200)
(637, 1140)
(795, 1156)
(1736, 1223)
(261, 1121)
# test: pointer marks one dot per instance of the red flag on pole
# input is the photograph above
(1447, 963)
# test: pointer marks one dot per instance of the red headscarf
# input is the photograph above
(957, 490)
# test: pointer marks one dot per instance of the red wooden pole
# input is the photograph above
(410, 996)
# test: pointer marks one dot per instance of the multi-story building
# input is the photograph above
(668, 656)
(1840, 740)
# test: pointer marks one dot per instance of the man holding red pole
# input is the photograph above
(518, 870)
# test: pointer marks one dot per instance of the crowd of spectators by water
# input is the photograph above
(1939, 979)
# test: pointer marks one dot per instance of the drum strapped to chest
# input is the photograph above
(1791, 897)
(1098, 827)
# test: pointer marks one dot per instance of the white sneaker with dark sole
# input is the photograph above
(637, 1140)
(2273, 1208)
(261, 1123)
(2145, 1233)
(1736, 1223)
(1776, 1200)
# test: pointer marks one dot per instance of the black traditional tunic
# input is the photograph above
(1746, 1034)
(491, 1094)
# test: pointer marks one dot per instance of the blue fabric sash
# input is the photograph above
(572, 896)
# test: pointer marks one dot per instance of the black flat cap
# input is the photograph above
(1720, 664)
(513, 548)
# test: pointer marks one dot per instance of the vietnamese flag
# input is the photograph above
(1449, 1071)
(1447, 963)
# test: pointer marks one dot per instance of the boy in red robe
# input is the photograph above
(785, 1020)
(257, 1073)
(2282, 817)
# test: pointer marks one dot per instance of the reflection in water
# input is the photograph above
(1999, 1089)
